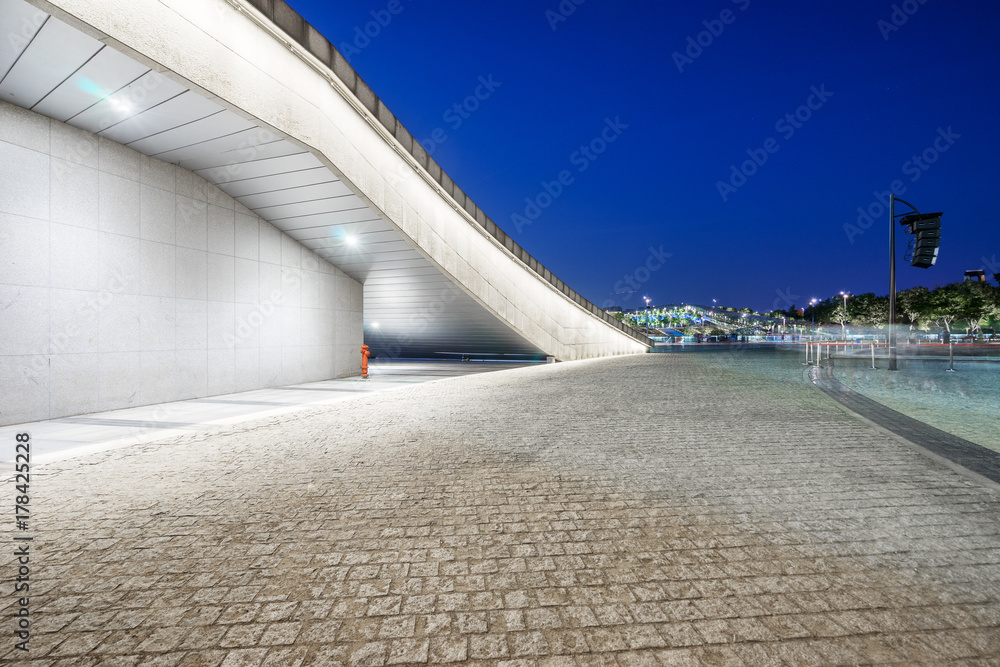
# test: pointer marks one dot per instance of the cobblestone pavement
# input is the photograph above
(68, 437)
(967, 454)
(659, 509)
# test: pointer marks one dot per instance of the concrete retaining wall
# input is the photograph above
(128, 281)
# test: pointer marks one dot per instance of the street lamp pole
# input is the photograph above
(891, 338)
(843, 325)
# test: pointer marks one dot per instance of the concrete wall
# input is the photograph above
(128, 281)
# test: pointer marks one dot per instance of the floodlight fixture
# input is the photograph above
(926, 227)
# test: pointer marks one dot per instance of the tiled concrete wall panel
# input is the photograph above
(127, 281)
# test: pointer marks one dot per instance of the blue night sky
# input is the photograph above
(684, 116)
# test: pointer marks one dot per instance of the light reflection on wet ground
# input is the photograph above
(965, 403)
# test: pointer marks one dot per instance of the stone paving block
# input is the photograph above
(241, 636)
(488, 646)
(527, 644)
(541, 618)
(251, 657)
(121, 643)
(596, 660)
(557, 661)
(77, 644)
(680, 634)
(239, 613)
(202, 637)
(649, 658)
(447, 649)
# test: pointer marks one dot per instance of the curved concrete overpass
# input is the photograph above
(247, 96)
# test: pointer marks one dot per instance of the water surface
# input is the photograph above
(965, 403)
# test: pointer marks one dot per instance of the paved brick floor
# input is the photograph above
(659, 509)
(68, 437)
(967, 454)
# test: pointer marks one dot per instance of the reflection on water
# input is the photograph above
(965, 403)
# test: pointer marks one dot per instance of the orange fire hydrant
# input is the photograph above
(364, 361)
